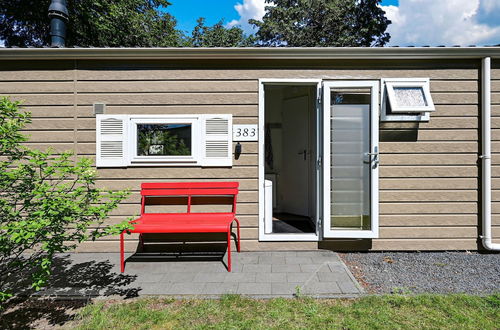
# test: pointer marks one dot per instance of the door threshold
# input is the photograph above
(289, 237)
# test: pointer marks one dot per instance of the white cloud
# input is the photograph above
(249, 9)
(450, 22)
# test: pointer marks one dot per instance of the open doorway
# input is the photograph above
(290, 154)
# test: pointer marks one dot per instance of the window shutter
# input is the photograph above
(111, 140)
(217, 140)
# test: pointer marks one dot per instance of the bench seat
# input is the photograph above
(183, 223)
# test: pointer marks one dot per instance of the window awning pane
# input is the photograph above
(410, 97)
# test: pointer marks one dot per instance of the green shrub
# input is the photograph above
(49, 203)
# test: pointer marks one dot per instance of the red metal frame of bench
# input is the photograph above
(188, 222)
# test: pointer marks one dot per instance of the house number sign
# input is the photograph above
(245, 132)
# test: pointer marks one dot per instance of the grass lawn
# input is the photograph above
(395, 311)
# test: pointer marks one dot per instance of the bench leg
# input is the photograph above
(238, 234)
(141, 243)
(122, 253)
(229, 250)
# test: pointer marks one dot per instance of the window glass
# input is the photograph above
(350, 168)
(410, 97)
(164, 139)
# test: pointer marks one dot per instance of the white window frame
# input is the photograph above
(196, 139)
(400, 113)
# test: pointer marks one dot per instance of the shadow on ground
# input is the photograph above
(73, 283)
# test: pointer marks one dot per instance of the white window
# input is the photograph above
(164, 140)
(406, 99)
(161, 140)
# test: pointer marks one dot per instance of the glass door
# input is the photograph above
(351, 158)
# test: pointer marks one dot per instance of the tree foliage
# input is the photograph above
(96, 23)
(327, 23)
(48, 203)
(218, 36)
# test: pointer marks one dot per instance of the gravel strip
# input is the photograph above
(426, 272)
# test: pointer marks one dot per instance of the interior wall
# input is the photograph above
(275, 98)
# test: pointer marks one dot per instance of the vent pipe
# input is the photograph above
(58, 14)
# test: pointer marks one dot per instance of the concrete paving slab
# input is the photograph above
(259, 274)
(254, 289)
(271, 278)
(288, 289)
(300, 277)
(241, 277)
(209, 277)
(298, 260)
(220, 288)
(178, 277)
(257, 268)
(272, 260)
(285, 268)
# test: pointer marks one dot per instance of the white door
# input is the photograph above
(294, 179)
(350, 153)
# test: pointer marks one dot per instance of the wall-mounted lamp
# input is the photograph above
(237, 151)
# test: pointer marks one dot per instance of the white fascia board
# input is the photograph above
(249, 53)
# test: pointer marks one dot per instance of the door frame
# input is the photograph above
(374, 149)
(310, 237)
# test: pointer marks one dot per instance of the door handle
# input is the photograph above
(375, 155)
(303, 153)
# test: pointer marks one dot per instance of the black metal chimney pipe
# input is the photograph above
(58, 14)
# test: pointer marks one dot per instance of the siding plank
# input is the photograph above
(218, 74)
(429, 196)
(167, 86)
(428, 208)
(430, 184)
(170, 98)
(428, 159)
(236, 110)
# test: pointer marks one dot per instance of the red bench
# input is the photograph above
(188, 222)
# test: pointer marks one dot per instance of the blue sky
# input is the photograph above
(414, 22)
(187, 11)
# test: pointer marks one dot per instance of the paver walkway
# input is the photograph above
(255, 274)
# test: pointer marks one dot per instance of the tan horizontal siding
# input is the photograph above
(429, 172)
(60, 111)
(42, 99)
(166, 86)
(28, 87)
(135, 184)
(456, 110)
(237, 110)
(429, 195)
(406, 244)
(436, 122)
(426, 147)
(428, 183)
(448, 135)
(224, 74)
(429, 159)
(418, 207)
(428, 220)
(170, 98)
(428, 232)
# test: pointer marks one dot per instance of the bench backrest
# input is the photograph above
(189, 190)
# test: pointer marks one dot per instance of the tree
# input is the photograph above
(327, 23)
(48, 203)
(96, 23)
(218, 36)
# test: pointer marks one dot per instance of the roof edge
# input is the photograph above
(250, 53)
